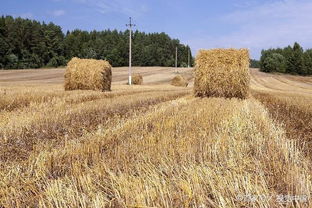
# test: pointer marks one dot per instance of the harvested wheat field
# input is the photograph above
(153, 145)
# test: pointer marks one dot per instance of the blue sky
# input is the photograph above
(203, 24)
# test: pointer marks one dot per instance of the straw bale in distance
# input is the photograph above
(137, 79)
(179, 81)
(88, 74)
(222, 73)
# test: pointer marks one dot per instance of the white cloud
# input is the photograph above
(129, 8)
(274, 24)
(245, 4)
(58, 13)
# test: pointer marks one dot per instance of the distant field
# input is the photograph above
(153, 145)
(281, 83)
(288, 98)
(152, 75)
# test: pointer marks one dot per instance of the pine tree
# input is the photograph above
(307, 59)
(295, 61)
(30, 44)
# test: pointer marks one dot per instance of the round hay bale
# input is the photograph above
(88, 74)
(179, 81)
(137, 79)
(222, 73)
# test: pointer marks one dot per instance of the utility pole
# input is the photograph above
(130, 25)
(176, 60)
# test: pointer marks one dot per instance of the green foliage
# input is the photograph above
(89, 53)
(57, 61)
(254, 63)
(275, 63)
(293, 60)
(53, 62)
(29, 60)
(307, 60)
(11, 61)
(61, 61)
(30, 44)
(26, 43)
(183, 64)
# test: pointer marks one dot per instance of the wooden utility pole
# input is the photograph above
(130, 25)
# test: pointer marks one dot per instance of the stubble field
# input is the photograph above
(153, 145)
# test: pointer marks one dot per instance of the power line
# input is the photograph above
(130, 25)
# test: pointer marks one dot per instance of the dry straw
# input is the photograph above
(179, 81)
(88, 74)
(222, 73)
(137, 79)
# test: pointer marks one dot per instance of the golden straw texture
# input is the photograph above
(137, 79)
(88, 74)
(222, 73)
(179, 81)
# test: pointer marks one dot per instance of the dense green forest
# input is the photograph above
(254, 63)
(28, 43)
(292, 60)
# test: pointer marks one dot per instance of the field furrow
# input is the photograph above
(179, 154)
(53, 122)
(294, 113)
(17, 98)
(154, 145)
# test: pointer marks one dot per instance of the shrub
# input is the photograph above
(12, 61)
(53, 62)
(275, 63)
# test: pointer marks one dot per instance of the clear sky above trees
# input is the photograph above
(254, 24)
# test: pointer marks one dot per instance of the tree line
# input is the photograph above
(292, 60)
(254, 63)
(28, 43)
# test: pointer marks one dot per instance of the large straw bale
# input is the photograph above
(88, 74)
(179, 81)
(222, 73)
(137, 79)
